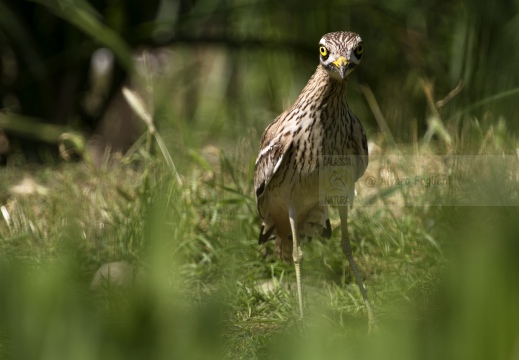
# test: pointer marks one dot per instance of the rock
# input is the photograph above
(267, 286)
(118, 274)
(270, 286)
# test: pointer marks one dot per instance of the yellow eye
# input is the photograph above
(323, 51)
(359, 50)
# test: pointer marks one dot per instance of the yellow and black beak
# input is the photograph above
(342, 65)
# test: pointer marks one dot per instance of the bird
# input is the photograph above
(318, 141)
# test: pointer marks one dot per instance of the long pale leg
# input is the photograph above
(297, 255)
(346, 248)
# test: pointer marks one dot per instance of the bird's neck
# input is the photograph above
(323, 89)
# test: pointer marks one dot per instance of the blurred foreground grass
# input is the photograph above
(442, 279)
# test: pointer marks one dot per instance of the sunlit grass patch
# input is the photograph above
(199, 276)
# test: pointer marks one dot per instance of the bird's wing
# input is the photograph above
(274, 150)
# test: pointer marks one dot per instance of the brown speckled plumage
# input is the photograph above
(319, 123)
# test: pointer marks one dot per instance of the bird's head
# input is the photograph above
(340, 52)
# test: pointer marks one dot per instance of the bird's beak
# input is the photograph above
(342, 65)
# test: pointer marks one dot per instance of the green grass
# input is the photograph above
(439, 278)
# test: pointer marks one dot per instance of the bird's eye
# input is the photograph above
(359, 50)
(323, 51)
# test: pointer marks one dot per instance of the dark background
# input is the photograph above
(269, 51)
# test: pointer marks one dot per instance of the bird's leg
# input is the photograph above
(297, 255)
(346, 248)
